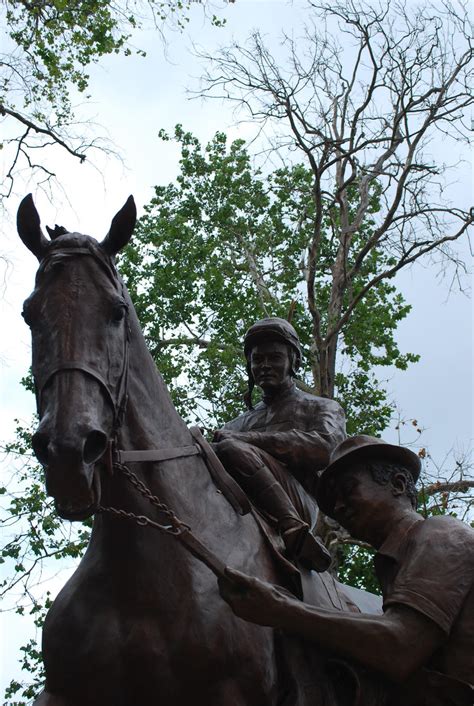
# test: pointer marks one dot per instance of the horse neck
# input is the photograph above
(151, 420)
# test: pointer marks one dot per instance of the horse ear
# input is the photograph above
(28, 226)
(121, 228)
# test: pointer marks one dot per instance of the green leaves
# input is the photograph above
(32, 529)
(227, 244)
(356, 567)
(47, 50)
(60, 40)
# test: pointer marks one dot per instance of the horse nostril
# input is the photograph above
(40, 444)
(95, 446)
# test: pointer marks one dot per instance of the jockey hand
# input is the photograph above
(222, 434)
(251, 599)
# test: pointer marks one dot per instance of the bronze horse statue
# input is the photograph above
(141, 622)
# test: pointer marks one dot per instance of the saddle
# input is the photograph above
(304, 584)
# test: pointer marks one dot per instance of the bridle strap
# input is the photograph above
(118, 401)
(165, 454)
(76, 365)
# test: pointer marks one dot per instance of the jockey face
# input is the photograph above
(270, 365)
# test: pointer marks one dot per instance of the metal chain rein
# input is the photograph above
(176, 526)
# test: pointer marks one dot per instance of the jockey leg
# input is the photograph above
(254, 470)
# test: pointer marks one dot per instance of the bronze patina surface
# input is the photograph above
(141, 621)
(423, 644)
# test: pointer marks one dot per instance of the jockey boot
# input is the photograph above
(300, 543)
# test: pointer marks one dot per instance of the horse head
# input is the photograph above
(78, 315)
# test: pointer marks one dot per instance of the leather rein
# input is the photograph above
(116, 459)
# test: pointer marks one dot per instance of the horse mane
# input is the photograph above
(56, 231)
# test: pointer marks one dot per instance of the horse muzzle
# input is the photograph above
(79, 508)
(71, 475)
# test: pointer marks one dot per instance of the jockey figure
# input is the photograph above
(275, 449)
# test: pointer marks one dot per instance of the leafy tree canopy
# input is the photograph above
(225, 245)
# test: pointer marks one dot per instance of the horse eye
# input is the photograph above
(118, 312)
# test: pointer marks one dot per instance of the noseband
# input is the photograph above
(116, 394)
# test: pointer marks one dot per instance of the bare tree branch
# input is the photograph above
(364, 96)
(460, 486)
(42, 131)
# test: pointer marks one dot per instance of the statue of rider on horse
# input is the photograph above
(275, 449)
(141, 621)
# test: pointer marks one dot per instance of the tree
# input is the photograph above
(47, 49)
(225, 246)
(364, 96)
(34, 542)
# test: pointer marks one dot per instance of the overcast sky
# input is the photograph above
(132, 99)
